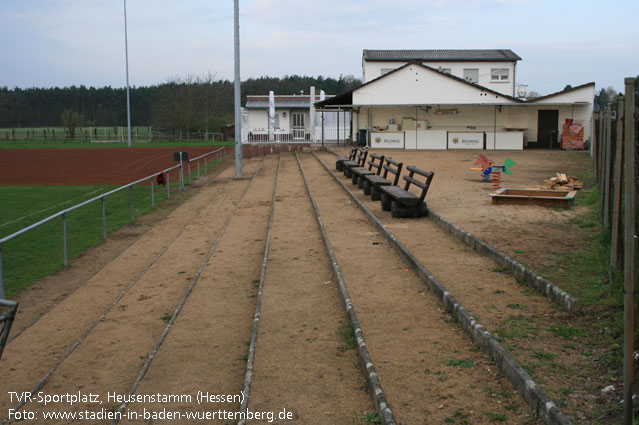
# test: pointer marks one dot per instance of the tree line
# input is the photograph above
(193, 103)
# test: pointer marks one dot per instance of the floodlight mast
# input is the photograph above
(238, 116)
(128, 99)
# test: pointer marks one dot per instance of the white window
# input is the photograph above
(499, 74)
(385, 71)
(471, 75)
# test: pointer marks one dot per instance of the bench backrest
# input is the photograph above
(377, 166)
(353, 154)
(393, 167)
(424, 184)
(361, 157)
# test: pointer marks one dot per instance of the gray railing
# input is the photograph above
(8, 310)
(219, 153)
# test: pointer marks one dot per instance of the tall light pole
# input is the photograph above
(128, 100)
(238, 115)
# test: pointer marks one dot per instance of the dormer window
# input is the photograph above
(499, 74)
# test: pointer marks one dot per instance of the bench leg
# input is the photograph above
(422, 211)
(386, 202)
(367, 188)
(360, 183)
(347, 172)
(354, 178)
(339, 165)
(400, 211)
(376, 195)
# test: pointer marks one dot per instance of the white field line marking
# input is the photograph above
(48, 208)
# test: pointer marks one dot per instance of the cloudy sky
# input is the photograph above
(46, 43)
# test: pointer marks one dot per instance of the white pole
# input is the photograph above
(238, 116)
(312, 114)
(271, 117)
(126, 52)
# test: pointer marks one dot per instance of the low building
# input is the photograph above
(292, 123)
(458, 99)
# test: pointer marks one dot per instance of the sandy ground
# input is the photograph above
(119, 297)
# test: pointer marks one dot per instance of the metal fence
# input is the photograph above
(105, 134)
(207, 159)
(616, 155)
(8, 310)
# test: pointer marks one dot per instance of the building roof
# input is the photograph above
(436, 55)
(291, 101)
(347, 98)
(568, 90)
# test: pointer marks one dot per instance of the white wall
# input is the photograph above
(473, 118)
(258, 119)
(421, 86)
(373, 70)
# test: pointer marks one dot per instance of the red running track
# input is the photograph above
(88, 166)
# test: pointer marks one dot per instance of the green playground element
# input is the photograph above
(508, 164)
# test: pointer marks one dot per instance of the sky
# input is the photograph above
(49, 43)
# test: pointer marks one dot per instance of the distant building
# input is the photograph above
(458, 99)
(292, 121)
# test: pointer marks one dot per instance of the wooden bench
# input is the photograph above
(8, 310)
(339, 163)
(362, 154)
(403, 203)
(374, 182)
(358, 173)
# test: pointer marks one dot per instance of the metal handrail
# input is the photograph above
(80, 205)
(6, 318)
(102, 198)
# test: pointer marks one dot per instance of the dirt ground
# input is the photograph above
(159, 256)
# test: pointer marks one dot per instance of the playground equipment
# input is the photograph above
(492, 173)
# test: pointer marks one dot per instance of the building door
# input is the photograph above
(299, 131)
(547, 129)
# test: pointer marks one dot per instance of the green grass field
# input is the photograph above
(38, 253)
(55, 137)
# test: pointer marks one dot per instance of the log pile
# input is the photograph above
(563, 182)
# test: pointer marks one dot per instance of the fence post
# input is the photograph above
(168, 184)
(132, 206)
(629, 249)
(181, 173)
(198, 168)
(616, 199)
(205, 165)
(600, 146)
(152, 193)
(104, 228)
(189, 172)
(65, 245)
(605, 181)
(1, 275)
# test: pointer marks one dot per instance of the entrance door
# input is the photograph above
(299, 130)
(547, 129)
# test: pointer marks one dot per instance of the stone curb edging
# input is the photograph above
(250, 363)
(379, 398)
(521, 273)
(186, 296)
(541, 404)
